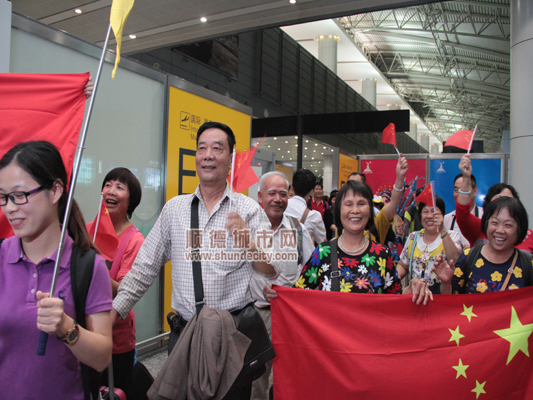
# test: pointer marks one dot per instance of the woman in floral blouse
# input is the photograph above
(499, 265)
(363, 266)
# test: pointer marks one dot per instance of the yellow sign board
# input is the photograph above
(347, 165)
(187, 112)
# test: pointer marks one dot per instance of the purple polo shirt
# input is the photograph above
(24, 374)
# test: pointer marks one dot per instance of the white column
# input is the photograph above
(369, 90)
(5, 35)
(434, 148)
(424, 140)
(413, 132)
(327, 51)
(521, 99)
(393, 106)
(328, 174)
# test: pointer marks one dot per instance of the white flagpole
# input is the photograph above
(41, 350)
(231, 177)
(98, 217)
(471, 140)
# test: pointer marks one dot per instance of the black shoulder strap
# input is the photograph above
(453, 222)
(196, 263)
(335, 272)
(472, 256)
(81, 274)
(1, 240)
(527, 267)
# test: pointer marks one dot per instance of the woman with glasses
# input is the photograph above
(33, 197)
(423, 246)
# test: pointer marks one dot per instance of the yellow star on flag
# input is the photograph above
(517, 335)
(455, 335)
(479, 389)
(468, 312)
(461, 369)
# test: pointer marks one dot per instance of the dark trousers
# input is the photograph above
(241, 393)
(122, 371)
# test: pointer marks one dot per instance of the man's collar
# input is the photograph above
(227, 193)
(300, 199)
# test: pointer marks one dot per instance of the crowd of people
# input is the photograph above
(340, 243)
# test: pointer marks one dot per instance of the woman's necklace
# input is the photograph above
(350, 251)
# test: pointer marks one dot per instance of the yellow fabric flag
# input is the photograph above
(120, 10)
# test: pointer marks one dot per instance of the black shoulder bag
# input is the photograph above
(249, 322)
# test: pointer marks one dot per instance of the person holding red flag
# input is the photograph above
(33, 197)
(122, 194)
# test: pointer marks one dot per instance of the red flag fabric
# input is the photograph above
(332, 345)
(460, 139)
(389, 134)
(244, 175)
(427, 196)
(106, 238)
(41, 107)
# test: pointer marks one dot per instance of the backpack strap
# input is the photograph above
(472, 256)
(304, 216)
(335, 274)
(81, 274)
(527, 267)
(196, 263)
(299, 237)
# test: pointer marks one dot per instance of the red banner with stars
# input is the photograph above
(370, 346)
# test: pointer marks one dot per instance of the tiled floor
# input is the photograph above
(155, 362)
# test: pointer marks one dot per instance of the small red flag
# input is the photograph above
(389, 134)
(427, 196)
(106, 239)
(460, 139)
(244, 175)
(41, 107)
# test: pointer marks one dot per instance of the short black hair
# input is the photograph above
(361, 189)
(125, 176)
(497, 188)
(318, 184)
(438, 202)
(222, 127)
(363, 177)
(333, 194)
(303, 181)
(473, 181)
(515, 208)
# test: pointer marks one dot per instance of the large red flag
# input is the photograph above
(460, 139)
(427, 196)
(41, 107)
(332, 345)
(389, 134)
(244, 175)
(106, 239)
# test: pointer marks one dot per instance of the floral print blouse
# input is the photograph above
(485, 276)
(370, 272)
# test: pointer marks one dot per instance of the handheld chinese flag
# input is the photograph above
(389, 134)
(462, 139)
(427, 196)
(243, 174)
(103, 234)
(120, 10)
(41, 107)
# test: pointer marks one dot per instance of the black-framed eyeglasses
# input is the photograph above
(18, 198)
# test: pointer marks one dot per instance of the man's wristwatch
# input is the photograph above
(72, 335)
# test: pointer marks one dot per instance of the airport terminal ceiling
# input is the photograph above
(450, 60)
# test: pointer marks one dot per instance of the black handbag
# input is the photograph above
(248, 321)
